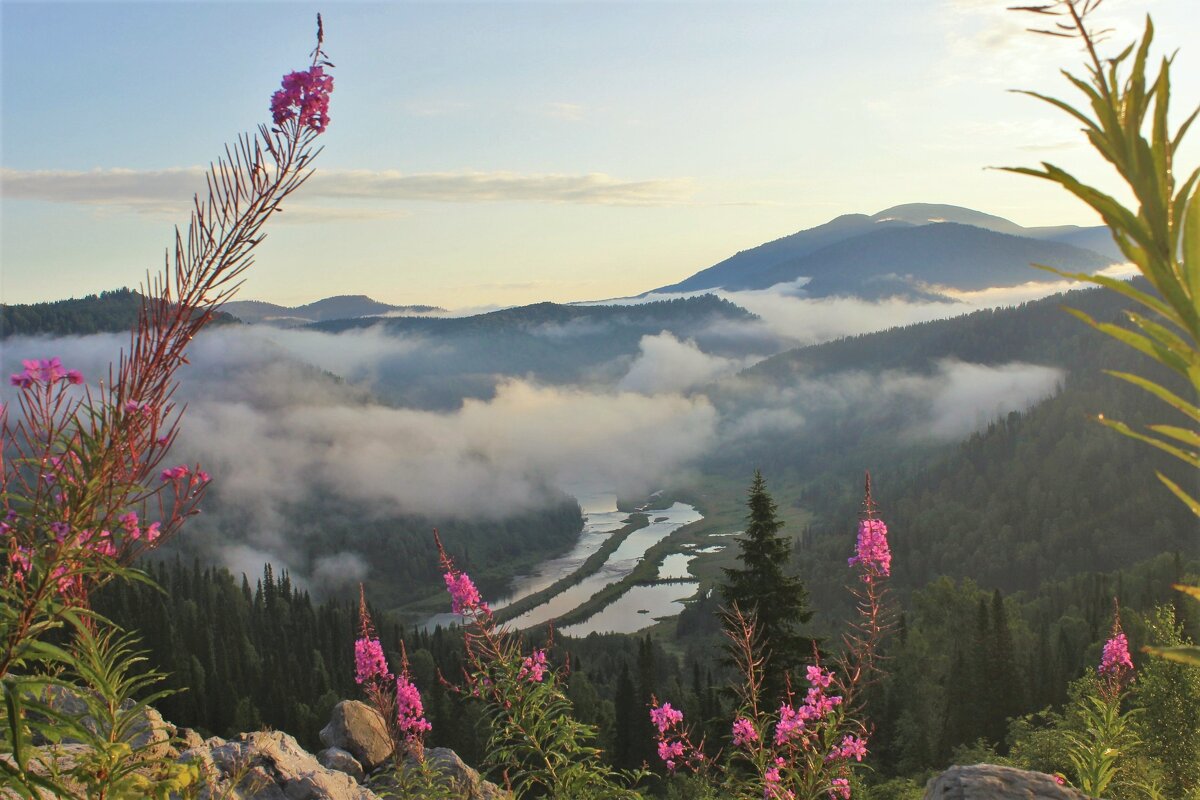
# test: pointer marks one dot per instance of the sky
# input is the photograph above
(506, 153)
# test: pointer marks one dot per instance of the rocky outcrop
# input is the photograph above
(269, 765)
(356, 764)
(359, 730)
(149, 735)
(990, 782)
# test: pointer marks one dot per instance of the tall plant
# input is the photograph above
(83, 491)
(1129, 126)
(809, 747)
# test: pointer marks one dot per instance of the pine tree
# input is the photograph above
(778, 601)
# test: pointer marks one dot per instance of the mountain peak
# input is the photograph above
(928, 213)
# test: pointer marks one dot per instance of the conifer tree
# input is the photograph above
(778, 601)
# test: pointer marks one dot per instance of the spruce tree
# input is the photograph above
(778, 601)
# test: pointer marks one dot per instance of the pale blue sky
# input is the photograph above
(517, 152)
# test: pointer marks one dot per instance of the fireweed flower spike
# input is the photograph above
(1116, 666)
(872, 551)
(464, 597)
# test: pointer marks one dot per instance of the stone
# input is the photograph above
(338, 759)
(149, 735)
(188, 739)
(359, 730)
(991, 782)
(271, 765)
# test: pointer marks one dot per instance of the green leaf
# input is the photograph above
(1187, 499)
(1191, 591)
(1162, 393)
(1184, 654)
(1179, 434)
(12, 703)
(1182, 455)
(1118, 286)
(1135, 340)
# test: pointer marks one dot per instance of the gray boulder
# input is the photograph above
(991, 782)
(338, 759)
(359, 730)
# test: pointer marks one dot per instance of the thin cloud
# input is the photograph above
(594, 188)
(170, 190)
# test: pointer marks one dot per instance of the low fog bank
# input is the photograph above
(276, 432)
(287, 418)
(946, 404)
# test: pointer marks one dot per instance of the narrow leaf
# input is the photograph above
(1187, 499)
(1160, 392)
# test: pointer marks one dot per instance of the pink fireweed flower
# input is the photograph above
(743, 732)
(670, 752)
(21, 561)
(872, 551)
(773, 783)
(410, 712)
(369, 661)
(840, 787)
(664, 717)
(790, 725)
(175, 473)
(1115, 664)
(306, 95)
(1115, 658)
(533, 668)
(818, 677)
(152, 532)
(851, 747)
(44, 370)
(817, 704)
(464, 597)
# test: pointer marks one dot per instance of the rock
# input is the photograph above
(270, 765)
(460, 778)
(337, 759)
(188, 739)
(358, 729)
(991, 782)
(149, 735)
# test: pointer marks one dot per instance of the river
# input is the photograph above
(635, 609)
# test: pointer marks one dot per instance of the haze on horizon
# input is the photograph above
(508, 153)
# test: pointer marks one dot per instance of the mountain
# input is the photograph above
(1031, 496)
(462, 357)
(108, 312)
(330, 308)
(907, 250)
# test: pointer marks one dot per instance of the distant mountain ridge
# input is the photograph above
(459, 357)
(345, 306)
(114, 311)
(907, 250)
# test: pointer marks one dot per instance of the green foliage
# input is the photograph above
(1168, 693)
(1095, 751)
(94, 694)
(1162, 238)
(761, 589)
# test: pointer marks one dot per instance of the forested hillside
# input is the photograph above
(462, 357)
(108, 312)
